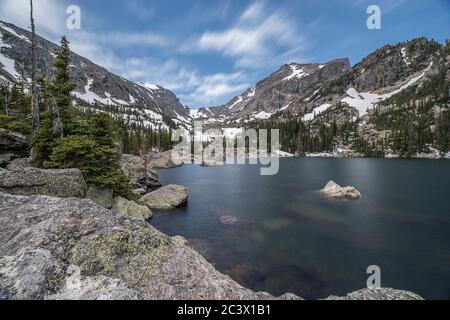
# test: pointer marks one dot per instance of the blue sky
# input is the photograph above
(208, 51)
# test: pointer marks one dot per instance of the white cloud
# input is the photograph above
(255, 39)
(50, 15)
(191, 86)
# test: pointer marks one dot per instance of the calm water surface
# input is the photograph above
(290, 239)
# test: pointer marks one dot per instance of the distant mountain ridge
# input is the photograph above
(276, 93)
(93, 82)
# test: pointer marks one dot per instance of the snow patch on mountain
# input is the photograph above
(364, 101)
(151, 86)
(262, 115)
(296, 73)
(405, 56)
(92, 97)
(243, 98)
(310, 116)
(14, 33)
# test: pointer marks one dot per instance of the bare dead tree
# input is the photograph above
(34, 93)
(6, 98)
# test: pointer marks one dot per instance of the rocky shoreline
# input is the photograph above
(71, 248)
(60, 239)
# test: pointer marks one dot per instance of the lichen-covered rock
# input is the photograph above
(379, 294)
(102, 197)
(18, 164)
(32, 181)
(333, 190)
(131, 209)
(78, 287)
(168, 197)
(140, 192)
(29, 275)
(140, 176)
(103, 243)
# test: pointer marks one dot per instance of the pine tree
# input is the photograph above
(61, 86)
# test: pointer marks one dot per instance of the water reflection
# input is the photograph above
(277, 234)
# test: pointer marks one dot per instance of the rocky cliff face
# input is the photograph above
(94, 84)
(300, 90)
(279, 92)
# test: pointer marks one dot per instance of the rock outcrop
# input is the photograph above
(12, 146)
(6, 159)
(32, 181)
(131, 209)
(168, 197)
(163, 160)
(379, 294)
(18, 164)
(102, 197)
(140, 175)
(333, 190)
(42, 239)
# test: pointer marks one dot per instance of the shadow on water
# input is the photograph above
(277, 234)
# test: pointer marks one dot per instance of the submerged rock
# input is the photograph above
(140, 177)
(32, 181)
(168, 197)
(229, 220)
(102, 197)
(333, 190)
(131, 209)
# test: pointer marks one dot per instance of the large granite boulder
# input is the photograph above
(32, 181)
(131, 209)
(333, 190)
(168, 197)
(379, 294)
(114, 254)
(163, 160)
(140, 175)
(78, 287)
(101, 196)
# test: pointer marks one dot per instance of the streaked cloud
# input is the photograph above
(255, 39)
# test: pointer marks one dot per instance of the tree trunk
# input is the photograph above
(6, 101)
(34, 93)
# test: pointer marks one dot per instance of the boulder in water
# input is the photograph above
(333, 190)
(168, 197)
(131, 209)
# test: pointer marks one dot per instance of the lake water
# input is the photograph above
(289, 238)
